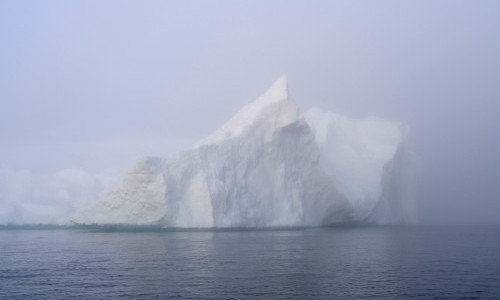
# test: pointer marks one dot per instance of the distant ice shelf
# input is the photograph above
(271, 166)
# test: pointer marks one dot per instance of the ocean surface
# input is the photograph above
(420, 262)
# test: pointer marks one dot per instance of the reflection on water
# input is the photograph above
(340, 263)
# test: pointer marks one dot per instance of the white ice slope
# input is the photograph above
(268, 166)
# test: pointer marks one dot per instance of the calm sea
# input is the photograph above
(328, 263)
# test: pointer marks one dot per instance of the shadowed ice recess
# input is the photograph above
(271, 165)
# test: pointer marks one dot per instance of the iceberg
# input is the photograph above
(270, 166)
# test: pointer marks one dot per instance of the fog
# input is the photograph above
(89, 87)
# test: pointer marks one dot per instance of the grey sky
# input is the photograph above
(97, 84)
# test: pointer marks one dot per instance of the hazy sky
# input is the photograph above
(93, 85)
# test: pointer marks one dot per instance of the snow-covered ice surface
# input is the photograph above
(269, 166)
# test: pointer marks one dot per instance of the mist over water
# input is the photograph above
(391, 116)
(88, 88)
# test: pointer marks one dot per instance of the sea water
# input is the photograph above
(380, 262)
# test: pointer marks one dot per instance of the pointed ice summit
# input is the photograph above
(270, 166)
(273, 106)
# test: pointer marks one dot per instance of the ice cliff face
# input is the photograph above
(268, 166)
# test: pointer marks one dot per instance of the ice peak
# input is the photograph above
(271, 107)
(277, 92)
